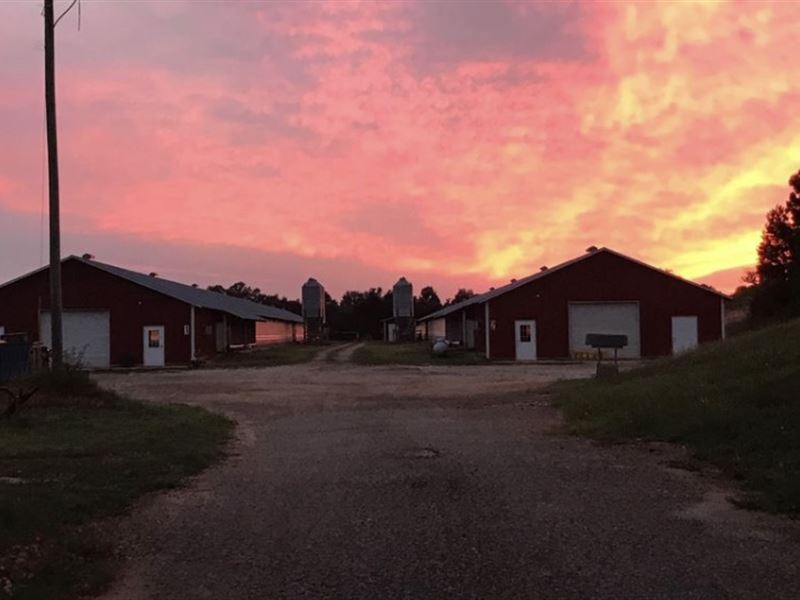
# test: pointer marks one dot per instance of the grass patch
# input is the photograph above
(266, 356)
(415, 353)
(734, 403)
(79, 454)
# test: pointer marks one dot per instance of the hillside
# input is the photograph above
(736, 404)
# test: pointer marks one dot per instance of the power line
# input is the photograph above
(69, 8)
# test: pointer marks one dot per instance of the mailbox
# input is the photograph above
(610, 341)
(606, 340)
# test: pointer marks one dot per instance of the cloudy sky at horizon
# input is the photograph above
(456, 143)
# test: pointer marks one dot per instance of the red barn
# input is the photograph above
(113, 316)
(548, 314)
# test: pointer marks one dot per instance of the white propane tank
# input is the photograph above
(440, 347)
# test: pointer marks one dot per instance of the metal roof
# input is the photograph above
(481, 298)
(451, 308)
(199, 297)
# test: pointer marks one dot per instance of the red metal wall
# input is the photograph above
(454, 325)
(602, 277)
(242, 332)
(205, 333)
(476, 313)
(131, 307)
(275, 332)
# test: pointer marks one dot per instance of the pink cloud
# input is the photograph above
(465, 143)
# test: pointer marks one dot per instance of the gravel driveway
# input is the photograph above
(439, 482)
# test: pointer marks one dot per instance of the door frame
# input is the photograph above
(162, 346)
(672, 332)
(533, 342)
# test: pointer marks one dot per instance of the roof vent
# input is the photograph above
(592, 249)
(194, 285)
(153, 274)
(88, 256)
(514, 280)
(543, 268)
(491, 289)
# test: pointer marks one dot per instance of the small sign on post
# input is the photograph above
(606, 341)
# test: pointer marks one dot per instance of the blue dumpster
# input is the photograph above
(15, 360)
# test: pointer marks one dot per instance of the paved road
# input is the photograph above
(351, 482)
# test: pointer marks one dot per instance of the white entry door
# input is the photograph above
(684, 334)
(525, 336)
(153, 346)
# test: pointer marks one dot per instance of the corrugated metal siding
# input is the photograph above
(131, 307)
(274, 332)
(86, 288)
(436, 329)
(205, 321)
(476, 314)
(242, 332)
(465, 326)
(453, 326)
(602, 277)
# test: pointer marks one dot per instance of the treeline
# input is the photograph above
(357, 313)
(772, 290)
(241, 290)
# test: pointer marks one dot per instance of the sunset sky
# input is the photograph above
(456, 143)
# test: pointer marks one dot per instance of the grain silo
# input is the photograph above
(403, 311)
(403, 299)
(313, 310)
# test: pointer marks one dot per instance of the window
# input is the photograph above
(524, 333)
(187, 330)
(2, 331)
(154, 338)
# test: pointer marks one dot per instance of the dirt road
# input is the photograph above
(438, 482)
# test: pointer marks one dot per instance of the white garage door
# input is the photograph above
(86, 337)
(621, 318)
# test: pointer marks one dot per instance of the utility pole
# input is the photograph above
(56, 309)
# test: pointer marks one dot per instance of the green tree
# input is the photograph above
(361, 313)
(241, 290)
(427, 302)
(238, 290)
(461, 295)
(777, 275)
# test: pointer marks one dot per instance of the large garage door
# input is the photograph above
(604, 317)
(86, 337)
